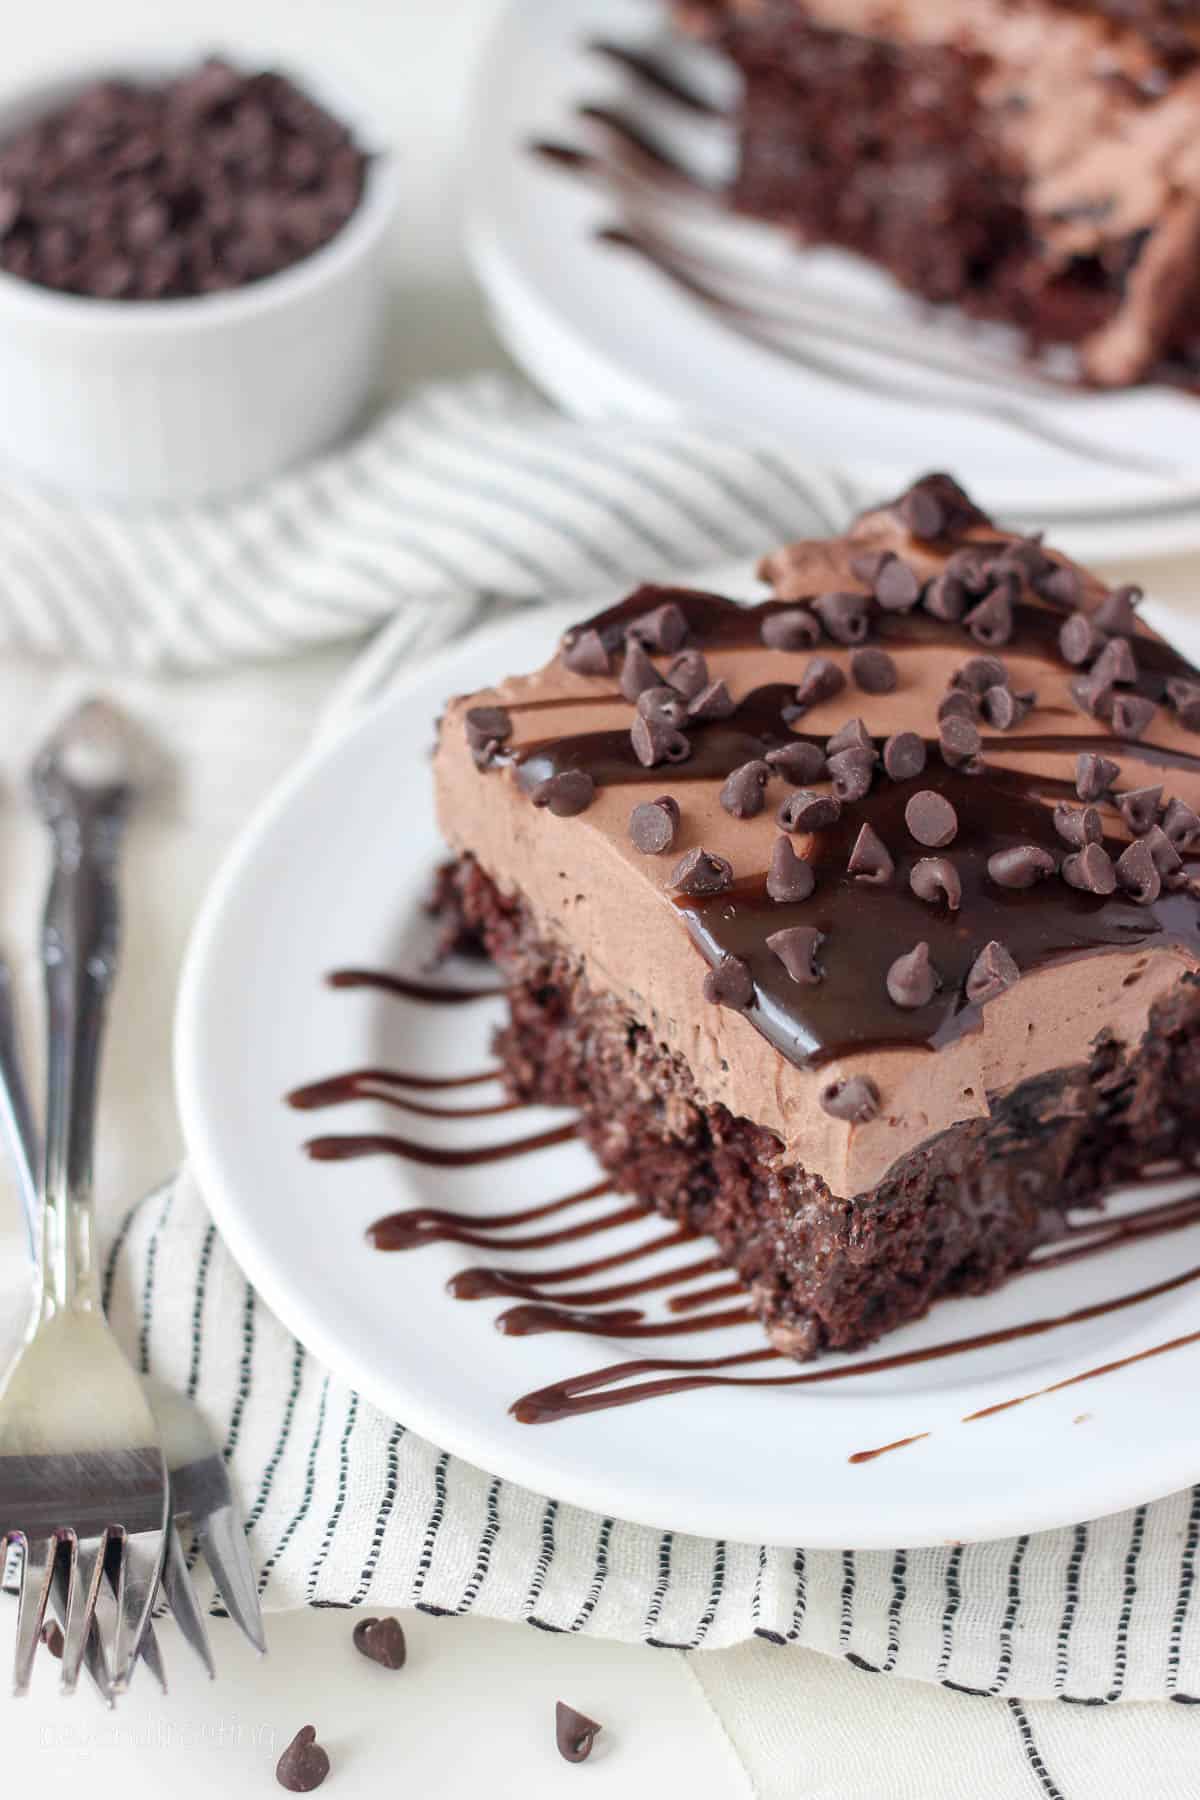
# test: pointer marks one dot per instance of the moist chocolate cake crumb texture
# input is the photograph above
(878, 1034)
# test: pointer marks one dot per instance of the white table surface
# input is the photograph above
(473, 1711)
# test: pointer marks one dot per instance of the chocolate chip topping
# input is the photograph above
(665, 628)
(1184, 696)
(821, 680)
(853, 735)
(790, 878)
(850, 772)
(1020, 866)
(382, 1640)
(303, 1765)
(1003, 709)
(865, 565)
(1116, 663)
(688, 673)
(1139, 808)
(1080, 639)
(979, 673)
(487, 725)
(574, 1733)
(959, 741)
(712, 702)
(1166, 857)
(904, 755)
(869, 859)
(897, 586)
(935, 878)
(796, 628)
(1137, 873)
(1059, 583)
(730, 984)
(663, 706)
(846, 617)
(700, 872)
(569, 792)
(798, 762)
(1181, 825)
(992, 971)
(797, 947)
(931, 819)
(742, 794)
(1091, 870)
(637, 673)
(874, 671)
(655, 743)
(653, 825)
(991, 622)
(855, 1099)
(1131, 715)
(912, 979)
(803, 811)
(51, 1635)
(1093, 697)
(936, 507)
(946, 597)
(1094, 775)
(958, 704)
(1078, 825)
(1115, 613)
(587, 654)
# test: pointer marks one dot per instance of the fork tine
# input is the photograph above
(181, 1598)
(137, 1583)
(83, 1586)
(223, 1541)
(150, 1652)
(36, 1572)
(93, 1654)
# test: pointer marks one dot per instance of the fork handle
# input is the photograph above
(17, 1125)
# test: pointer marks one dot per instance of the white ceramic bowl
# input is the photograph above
(146, 401)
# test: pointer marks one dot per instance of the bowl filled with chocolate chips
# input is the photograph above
(193, 276)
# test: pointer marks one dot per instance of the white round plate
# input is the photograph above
(333, 873)
(878, 386)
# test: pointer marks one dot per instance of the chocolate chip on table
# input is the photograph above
(873, 670)
(845, 616)
(382, 1640)
(486, 725)
(637, 672)
(790, 877)
(853, 735)
(653, 825)
(742, 794)
(991, 621)
(688, 673)
(303, 1765)
(1115, 612)
(855, 1099)
(1137, 874)
(1002, 708)
(729, 983)
(574, 1733)
(870, 860)
(851, 772)
(1180, 825)
(931, 819)
(959, 741)
(946, 598)
(1116, 663)
(655, 743)
(1080, 638)
(51, 1635)
(712, 702)
(569, 792)
(1139, 808)
(795, 628)
(1184, 696)
(935, 878)
(912, 980)
(1078, 825)
(904, 755)
(821, 680)
(804, 811)
(991, 973)
(1090, 870)
(1131, 715)
(1094, 775)
(797, 946)
(587, 654)
(1020, 866)
(700, 872)
(663, 706)
(665, 628)
(798, 762)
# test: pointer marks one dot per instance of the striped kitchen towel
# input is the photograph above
(459, 494)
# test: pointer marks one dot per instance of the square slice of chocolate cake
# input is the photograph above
(860, 925)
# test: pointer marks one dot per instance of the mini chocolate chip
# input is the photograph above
(729, 984)
(853, 735)
(1020, 866)
(1116, 662)
(846, 617)
(1180, 824)
(569, 792)
(931, 819)
(1091, 870)
(803, 811)
(991, 621)
(979, 673)
(652, 826)
(946, 598)
(1131, 714)
(586, 654)
(1094, 775)
(958, 704)
(798, 762)
(790, 877)
(1139, 808)
(935, 878)
(655, 743)
(637, 673)
(797, 946)
(1115, 612)
(866, 564)
(856, 1098)
(382, 1640)
(1166, 856)
(303, 1765)
(51, 1635)
(851, 772)
(1061, 583)
(663, 629)
(912, 980)
(664, 706)
(923, 511)
(1003, 709)
(1184, 696)
(742, 794)
(821, 680)
(897, 586)
(795, 628)
(992, 971)
(712, 702)
(869, 859)
(574, 1733)
(688, 674)
(1078, 825)
(1080, 638)
(874, 671)
(1137, 874)
(1096, 698)
(487, 725)
(958, 740)
(699, 872)
(904, 755)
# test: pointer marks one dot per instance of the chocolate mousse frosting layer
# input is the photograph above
(914, 830)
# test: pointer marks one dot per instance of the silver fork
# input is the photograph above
(81, 1464)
